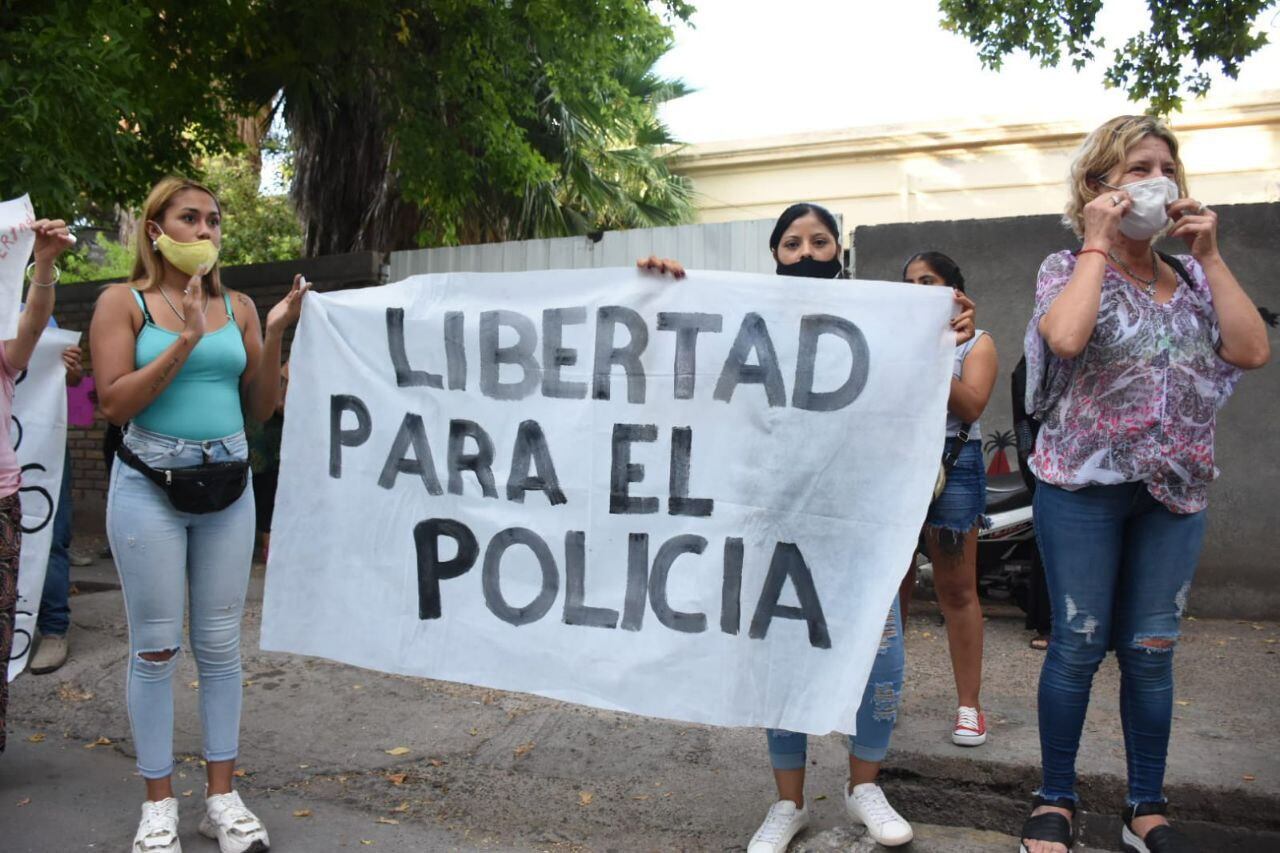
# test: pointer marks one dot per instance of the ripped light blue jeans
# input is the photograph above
(876, 715)
(165, 556)
(1119, 566)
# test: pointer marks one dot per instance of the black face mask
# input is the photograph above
(810, 268)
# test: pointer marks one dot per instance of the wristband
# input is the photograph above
(1087, 251)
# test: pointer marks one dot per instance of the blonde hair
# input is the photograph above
(148, 268)
(1102, 151)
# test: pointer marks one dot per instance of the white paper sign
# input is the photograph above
(16, 242)
(39, 434)
(692, 500)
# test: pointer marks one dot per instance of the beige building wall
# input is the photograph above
(918, 173)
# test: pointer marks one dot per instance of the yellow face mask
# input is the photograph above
(188, 257)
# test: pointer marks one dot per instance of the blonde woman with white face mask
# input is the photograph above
(183, 361)
(1130, 354)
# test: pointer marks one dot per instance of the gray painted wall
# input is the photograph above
(1239, 572)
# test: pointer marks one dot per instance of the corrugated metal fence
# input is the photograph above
(730, 246)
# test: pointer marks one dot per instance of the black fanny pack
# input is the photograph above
(197, 489)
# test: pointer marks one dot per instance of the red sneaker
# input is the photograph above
(971, 727)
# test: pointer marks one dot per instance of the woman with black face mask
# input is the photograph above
(805, 242)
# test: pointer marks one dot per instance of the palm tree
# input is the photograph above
(997, 443)
(612, 168)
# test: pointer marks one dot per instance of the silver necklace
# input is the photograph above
(174, 308)
(1148, 284)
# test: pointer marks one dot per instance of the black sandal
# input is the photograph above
(1050, 826)
(1159, 839)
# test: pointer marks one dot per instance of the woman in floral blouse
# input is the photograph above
(1129, 356)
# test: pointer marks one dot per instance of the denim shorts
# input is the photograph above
(963, 501)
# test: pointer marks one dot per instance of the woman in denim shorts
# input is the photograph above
(951, 527)
(183, 361)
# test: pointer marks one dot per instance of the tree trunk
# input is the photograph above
(252, 130)
(344, 187)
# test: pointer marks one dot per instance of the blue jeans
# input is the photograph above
(163, 556)
(1119, 566)
(55, 609)
(876, 715)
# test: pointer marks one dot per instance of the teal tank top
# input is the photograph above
(203, 401)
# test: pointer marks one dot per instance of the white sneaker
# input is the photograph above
(867, 806)
(236, 829)
(158, 829)
(781, 824)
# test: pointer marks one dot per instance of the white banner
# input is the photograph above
(39, 434)
(16, 241)
(692, 500)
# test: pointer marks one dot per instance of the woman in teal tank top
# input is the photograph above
(183, 362)
(202, 401)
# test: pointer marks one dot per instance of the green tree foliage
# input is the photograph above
(108, 260)
(1173, 57)
(100, 98)
(605, 180)
(256, 228)
(447, 121)
(411, 121)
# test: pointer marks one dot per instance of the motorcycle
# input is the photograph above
(1007, 549)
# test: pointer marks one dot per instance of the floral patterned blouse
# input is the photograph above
(1139, 404)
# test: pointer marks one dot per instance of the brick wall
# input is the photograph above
(264, 283)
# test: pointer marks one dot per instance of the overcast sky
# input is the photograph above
(772, 67)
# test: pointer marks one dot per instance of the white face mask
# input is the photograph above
(1149, 214)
